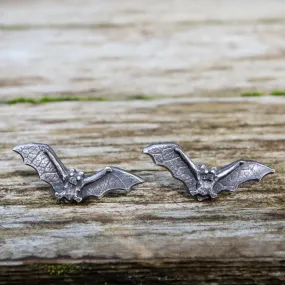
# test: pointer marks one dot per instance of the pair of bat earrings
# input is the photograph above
(70, 184)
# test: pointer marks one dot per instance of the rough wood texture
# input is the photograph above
(157, 220)
(157, 233)
(124, 47)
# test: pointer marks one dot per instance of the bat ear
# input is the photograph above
(204, 169)
(213, 170)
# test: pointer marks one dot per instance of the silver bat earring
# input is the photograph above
(200, 180)
(70, 184)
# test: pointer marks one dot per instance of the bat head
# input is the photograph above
(208, 173)
(75, 177)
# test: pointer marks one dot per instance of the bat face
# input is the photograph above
(206, 181)
(75, 177)
(207, 173)
(73, 184)
(207, 176)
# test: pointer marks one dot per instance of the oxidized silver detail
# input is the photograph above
(200, 180)
(70, 184)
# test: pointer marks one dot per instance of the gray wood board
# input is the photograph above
(157, 220)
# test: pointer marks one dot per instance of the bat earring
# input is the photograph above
(202, 181)
(68, 183)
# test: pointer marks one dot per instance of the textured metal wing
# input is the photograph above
(248, 171)
(36, 156)
(115, 180)
(164, 155)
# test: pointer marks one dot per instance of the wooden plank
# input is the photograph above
(99, 48)
(193, 59)
(157, 220)
(156, 272)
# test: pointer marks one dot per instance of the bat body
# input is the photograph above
(70, 184)
(200, 180)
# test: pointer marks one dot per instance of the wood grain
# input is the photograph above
(194, 58)
(157, 220)
(113, 49)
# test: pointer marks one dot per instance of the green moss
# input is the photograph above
(271, 20)
(21, 100)
(53, 99)
(59, 269)
(278, 93)
(251, 94)
(47, 99)
(70, 26)
(14, 27)
(140, 97)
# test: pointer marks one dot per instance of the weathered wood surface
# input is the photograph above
(156, 233)
(157, 220)
(155, 47)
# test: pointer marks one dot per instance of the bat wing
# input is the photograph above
(36, 156)
(164, 155)
(249, 171)
(115, 180)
